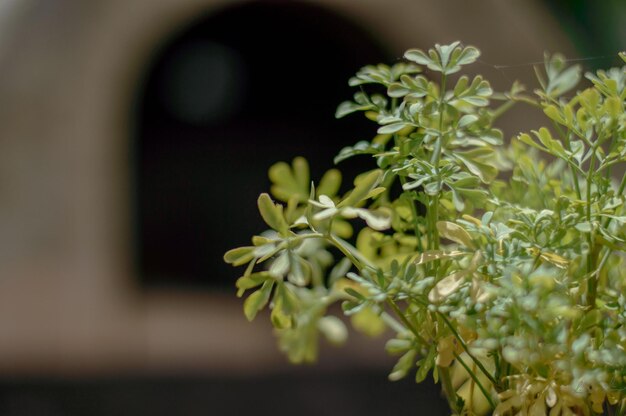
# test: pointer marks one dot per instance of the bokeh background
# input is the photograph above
(134, 140)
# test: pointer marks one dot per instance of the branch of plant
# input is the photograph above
(476, 380)
(571, 165)
(592, 281)
(467, 350)
(448, 389)
(406, 322)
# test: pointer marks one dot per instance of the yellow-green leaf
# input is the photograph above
(456, 233)
(330, 183)
(333, 329)
(257, 300)
(446, 286)
(272, 213)
(239, 256)
(301, 173)
(253, 280)
(368, 322)
(433, 255)
(364, 184)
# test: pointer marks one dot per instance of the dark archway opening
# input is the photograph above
(221, 101)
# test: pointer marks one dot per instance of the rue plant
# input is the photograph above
(498, 269)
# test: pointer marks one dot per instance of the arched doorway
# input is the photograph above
(222, 100)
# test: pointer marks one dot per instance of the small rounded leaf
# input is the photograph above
(333, 329)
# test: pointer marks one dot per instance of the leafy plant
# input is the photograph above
(499, 269)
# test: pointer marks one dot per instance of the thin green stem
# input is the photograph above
(406, 322)
(392, 322)
(527, 100)
(466, 349)
(418, 234)
(620, 191)
(416, 228)
(566, 141)
(433, 207)
(622, 185)
(592, 281)
(333, 240)
(448, 389)
(476, 380)
(502, 109)
(444, 373)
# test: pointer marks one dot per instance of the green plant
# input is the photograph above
(508, 288)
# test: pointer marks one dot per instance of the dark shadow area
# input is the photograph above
(220, 102)
(595, 27)
(303, 394)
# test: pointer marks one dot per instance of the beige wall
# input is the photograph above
(68, 301)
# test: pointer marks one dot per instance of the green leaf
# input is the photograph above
(392, 128)
(354, 293)
(341, 268)
(362, 103)
(333, 329)
(446, 286)
(467, 120)
(426, 364)
(398, 345)
(432, 255)
(284, 306)
(376, 220)
(239, 256)
(485, 172)
(560, 78)
(525, 138)
(272, 213)
(397, 90)
(253, 280)
(301, 174)
(584, 227)
(456, 233)
(279, 318)
(330, 183)
(418, 56)
(368, 322)
(457, 201)
(290, 182)
(554, 146)
(469, 55)
(553, 112)
(364, 184)
(257, 300)
(300, 271)
(476, 94)
(403, 366)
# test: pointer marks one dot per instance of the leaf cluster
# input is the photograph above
(498, 269)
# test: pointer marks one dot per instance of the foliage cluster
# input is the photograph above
(497, 268)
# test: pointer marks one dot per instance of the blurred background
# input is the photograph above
(134, 140)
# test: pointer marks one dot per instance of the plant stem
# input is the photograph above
(466, 349)
(333, 240)
(406, 322)
(433, 208)
(476, 380)
(416, 228)
(527, 100)
(622, 408)
(448, 389)
(592, 281)
(566, 141)
(502, 109)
